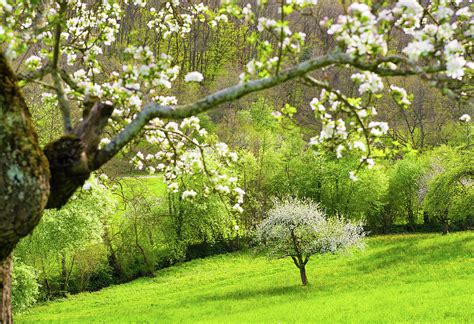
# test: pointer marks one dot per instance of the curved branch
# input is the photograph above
(230, 94)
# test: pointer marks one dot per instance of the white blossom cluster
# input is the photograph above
(141, 81)
(186, 149)
(15, 28)
(439, 36)
(465, 118)
(347, 125)
(270, 57)
(400, 95)
(364, 33)
(177, 18)
(300, 228)
(286, 46)
(369, 82)
(361, 33)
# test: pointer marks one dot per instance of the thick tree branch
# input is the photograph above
(90, 129)
(69, 156)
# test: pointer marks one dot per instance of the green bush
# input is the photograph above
(25, 287)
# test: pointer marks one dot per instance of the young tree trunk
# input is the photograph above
(304, 279)
(426, 218)
(445, 222)
(112, 256)
(5, 291)
(411, 219)
(64, 275)
(445, 228)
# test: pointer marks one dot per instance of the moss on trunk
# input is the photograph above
(24, 177)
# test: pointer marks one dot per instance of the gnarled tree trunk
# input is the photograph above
(32, 179)
(24, 178)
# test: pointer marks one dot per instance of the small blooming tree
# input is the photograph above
(300, 229)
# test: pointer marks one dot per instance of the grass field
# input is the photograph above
(423, 277)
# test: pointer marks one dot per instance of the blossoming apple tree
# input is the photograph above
(300, 229)
(60, 46)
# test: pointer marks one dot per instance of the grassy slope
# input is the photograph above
(425, 277)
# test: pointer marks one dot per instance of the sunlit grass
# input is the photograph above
(423, 277)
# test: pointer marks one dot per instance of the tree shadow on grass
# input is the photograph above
(255, 293)
(411, 252)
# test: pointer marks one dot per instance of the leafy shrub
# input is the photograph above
(25, 287)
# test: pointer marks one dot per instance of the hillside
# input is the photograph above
(422, 277)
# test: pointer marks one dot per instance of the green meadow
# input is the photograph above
(396, 278)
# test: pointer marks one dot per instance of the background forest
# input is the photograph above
(124, 223)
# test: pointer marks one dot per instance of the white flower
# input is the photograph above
(352, 176)
(370, 163)
(400, 95)
(139, 165)
(6, 5)
(103, 142)
(369, 82)
(193, 77)
(418, 48)
(247, 12)
(189, 194)
(453, 47)
(222, 148)
(443, 12)
(317, 105)
(140, 155)
(455, 67)
(464, 12)
(135, 101)
(238, 209)
(409, 11)
(233, 156)
(359, 145)
(87, 186)
(339, 150)
(173, 187)
(33, 62)
(378, 128)
(223, 189)
(465, 118)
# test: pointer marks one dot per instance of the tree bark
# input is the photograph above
(64, 275)
(445, 228)
(304, 279)
(445, 222)
(411, 219)
(24, 178)
(24, 169)
(5, 291)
